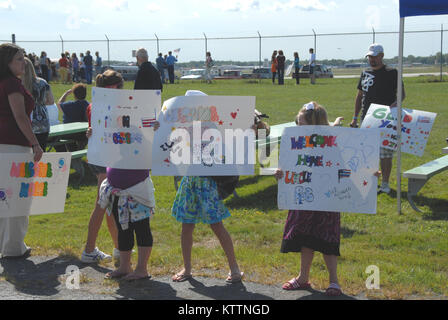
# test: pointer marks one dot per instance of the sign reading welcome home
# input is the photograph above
(328, 169)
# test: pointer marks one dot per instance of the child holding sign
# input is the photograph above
(309, 231)
(198, 200)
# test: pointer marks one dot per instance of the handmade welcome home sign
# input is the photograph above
(328, 169)
(32, 188)
(416, 127)
(123, 127)
(206, 136)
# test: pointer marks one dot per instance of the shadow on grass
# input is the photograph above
(347, 233)
(439, 207)
(263, 200)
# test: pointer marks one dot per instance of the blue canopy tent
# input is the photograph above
(410, 8)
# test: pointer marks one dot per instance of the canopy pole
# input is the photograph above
(399, 113)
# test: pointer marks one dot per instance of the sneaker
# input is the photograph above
(385, 190)
(95, 256)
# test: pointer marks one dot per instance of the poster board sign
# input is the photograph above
(205, 136)
(123, 127)
(416, 127)
(329, 169)
(33, 188)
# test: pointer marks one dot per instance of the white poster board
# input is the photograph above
(33, 188)
(196, 137)
(329, 169)
(416, 127)
(123, 127)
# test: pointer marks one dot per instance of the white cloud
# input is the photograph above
(373, 17)
(118, 5)
(74, 20)
(237, 5)
(153, 7)
(306, 5)
(8, 5)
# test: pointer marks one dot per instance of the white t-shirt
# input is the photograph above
(313, 60)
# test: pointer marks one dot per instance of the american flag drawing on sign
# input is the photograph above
(148, 122)
(176, 51)
(344, 173)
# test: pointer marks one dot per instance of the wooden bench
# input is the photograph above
(78, 164)
(417, 177)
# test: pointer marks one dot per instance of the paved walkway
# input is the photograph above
(44, 278)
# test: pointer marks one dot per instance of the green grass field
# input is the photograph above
(409, 249)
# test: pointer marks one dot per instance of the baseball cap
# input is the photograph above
(375, 49)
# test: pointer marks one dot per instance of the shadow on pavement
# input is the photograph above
(39, 277)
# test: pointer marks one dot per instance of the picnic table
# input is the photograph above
(64, 134)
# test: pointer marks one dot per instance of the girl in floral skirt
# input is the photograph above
(198, 200)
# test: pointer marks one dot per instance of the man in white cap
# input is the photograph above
(378, 84)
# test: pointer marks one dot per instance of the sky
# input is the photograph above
(196, 19)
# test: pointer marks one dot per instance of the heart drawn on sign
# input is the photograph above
(234, 114)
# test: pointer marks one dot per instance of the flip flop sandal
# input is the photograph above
(293, 284)
(181, 277)
(334, 290)
(111, 276)
(235, 277)
(135, 278)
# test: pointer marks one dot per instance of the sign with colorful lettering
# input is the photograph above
(328, 169)
(415, 129)
(32, 188)
(206, 136)
(123, 127)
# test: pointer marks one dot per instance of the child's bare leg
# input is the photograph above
(227, 245)
(96, 219)
(141, 270)
(187, 244)
(332, 265)
(125, 265)
(307, 256)
(112, 229)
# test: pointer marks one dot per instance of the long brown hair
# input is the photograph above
(30, 75)
(7, 53)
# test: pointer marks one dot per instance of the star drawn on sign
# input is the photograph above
(365, 183)
(221, 122)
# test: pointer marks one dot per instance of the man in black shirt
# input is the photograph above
(378, 84)
(147, 76)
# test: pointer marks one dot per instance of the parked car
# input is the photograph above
(194, 74)
(320, 71)
(258, 73)
(230, 74)
(129, 73)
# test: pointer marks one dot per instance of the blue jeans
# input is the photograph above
(89, 75)
(281, 76)
(171, 73)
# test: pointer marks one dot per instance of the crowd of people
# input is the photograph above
(68, 68)
(198, 199)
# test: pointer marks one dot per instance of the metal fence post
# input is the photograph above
(157, 38)
(62, 43)
(441, 54)
(315, 41)
(259, 49)
(108, 50)
(374, 35)
(205, 46)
